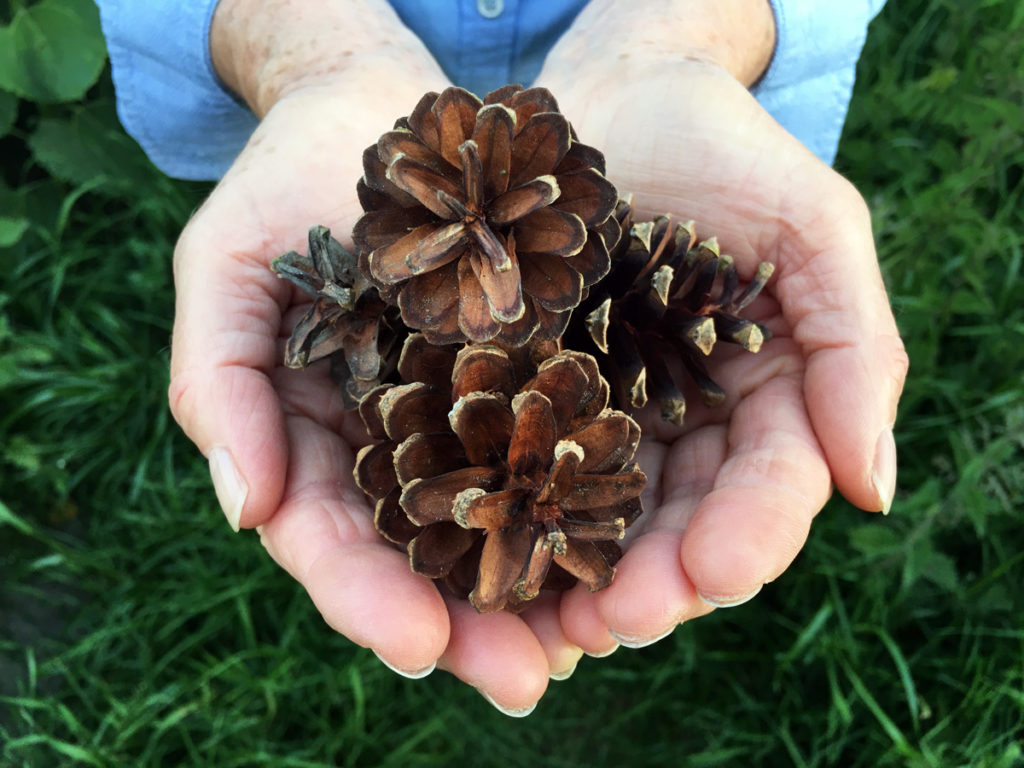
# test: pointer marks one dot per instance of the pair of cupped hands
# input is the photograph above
(731, 495)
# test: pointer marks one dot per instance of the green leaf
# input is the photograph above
(924, 561)
(8, 111)
(940, 569)
(89, 145)
(52, 51)
(874, 539)
(7, 517)
(11, 230)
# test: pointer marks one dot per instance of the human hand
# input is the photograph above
(732, 494)
(279, 443)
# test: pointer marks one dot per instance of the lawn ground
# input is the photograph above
(136, 631)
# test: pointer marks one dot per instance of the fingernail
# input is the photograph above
(558, 676)
(510, 712)
(415, 674)
(228, 484)
(883, 473)
(603, 654)
(729, 601)
(639, 642)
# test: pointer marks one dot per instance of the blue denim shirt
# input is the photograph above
(171, 101)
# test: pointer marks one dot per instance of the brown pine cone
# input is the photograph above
(483, 219)
(500, 486)
(666, 296)
(348, 320)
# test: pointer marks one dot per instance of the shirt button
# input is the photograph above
(490, 9)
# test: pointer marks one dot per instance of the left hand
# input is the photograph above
(733, 493)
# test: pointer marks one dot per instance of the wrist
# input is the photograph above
(264, 50)
(735, 35)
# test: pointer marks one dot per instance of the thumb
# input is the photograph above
(224, 350)
(832, 295)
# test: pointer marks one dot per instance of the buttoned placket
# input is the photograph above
(487, 39)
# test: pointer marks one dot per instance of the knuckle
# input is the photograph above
(180, 397)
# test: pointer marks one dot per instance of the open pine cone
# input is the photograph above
(498, 465)
(498, 485)
(666, 296)
(348, 320)
(483, 219)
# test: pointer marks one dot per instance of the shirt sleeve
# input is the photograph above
(169, 97)
(171, 101)
(808, 84)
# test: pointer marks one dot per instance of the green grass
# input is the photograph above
(136, 631)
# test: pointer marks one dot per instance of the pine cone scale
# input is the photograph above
(587, 194)
(391, 521)
(603, 490)
(533, 436)
(375, 470)
(592, 261)
(431, 500)
(549, 230)
(483, 424)
(403, 142)
(455, 111)
(437, 548)
(427, 455)
(605, 442)
(431, 302)
(424, 185)
(427, 244)
(520, 201)
(584, 561)
(475, 319)
(493, 134)
(381, 228)
(475, 508)
(502, 288)
(539, 147)
(501, 565)
(410, 408)
(482, 368)
(552, 282)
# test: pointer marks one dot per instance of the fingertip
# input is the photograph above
(651, 594)
(411, 674)
(542, 618)
(234, 417)
(499, 655)
(852, 395)
(367, 592)
(883, 471)
(740, 539)
(582, 623)
(228, 484)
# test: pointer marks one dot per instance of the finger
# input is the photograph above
(498, 654)
(542, 618)
(323, 536)
(833, 296)
(583, 625)
(651, 594)
(224, 344)
(751, 525)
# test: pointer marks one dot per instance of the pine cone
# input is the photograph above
(482, 218)
(348, 320)
(501, 488)
(665, 296)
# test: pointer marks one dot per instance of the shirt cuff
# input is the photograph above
(808, 84)
(169, 97)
